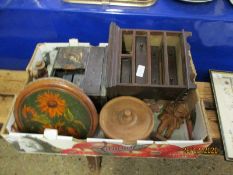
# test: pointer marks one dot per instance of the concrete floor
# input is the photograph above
(14, 163)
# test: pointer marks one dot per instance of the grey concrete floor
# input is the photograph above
(14, 163)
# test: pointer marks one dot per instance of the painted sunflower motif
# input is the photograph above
(51, 103)
(28, 112)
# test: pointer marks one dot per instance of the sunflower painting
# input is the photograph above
(52, 104)
(55, 109)
(28, 112)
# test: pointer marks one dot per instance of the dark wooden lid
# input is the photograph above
(126, 118)
(55, 103)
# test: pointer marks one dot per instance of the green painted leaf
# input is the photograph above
(68, 115)
(41, 119)
(80, 123)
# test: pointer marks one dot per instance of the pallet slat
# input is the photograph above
(206, 94)
(6, 103)
(11, 82)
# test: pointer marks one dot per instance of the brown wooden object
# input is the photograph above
(148, 63)
(40, 70)
(173, 116)
(126, 118)
(83, 66)
(58, 104)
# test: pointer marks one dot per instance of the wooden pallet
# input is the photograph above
(206, 95)
(11, 82)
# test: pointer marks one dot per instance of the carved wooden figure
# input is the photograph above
(173, 116)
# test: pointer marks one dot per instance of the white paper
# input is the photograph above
(50, 134)
(140, 71)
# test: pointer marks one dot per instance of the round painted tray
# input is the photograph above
(126, 118)
(58, 104)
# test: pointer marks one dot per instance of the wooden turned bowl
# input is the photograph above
(126, 118)
(58, 104)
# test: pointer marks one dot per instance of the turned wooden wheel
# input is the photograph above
(126, 118)
(58, 104)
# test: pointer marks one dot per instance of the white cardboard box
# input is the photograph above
(178, 147)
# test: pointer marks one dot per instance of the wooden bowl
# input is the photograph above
(58, 104)
(126, 118)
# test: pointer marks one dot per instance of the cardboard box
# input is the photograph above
(179, 146)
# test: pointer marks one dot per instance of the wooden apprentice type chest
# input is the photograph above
(149, 64)
(140, 63)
